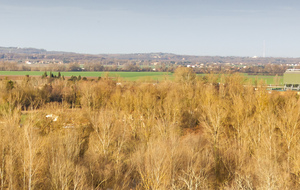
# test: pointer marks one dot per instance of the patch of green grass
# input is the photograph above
(131, 76)
(135, 76)
(22, 73)
(267, 79)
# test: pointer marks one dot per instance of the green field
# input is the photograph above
(267, 79)
(133, 76)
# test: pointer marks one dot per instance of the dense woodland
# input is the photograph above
(191, 133)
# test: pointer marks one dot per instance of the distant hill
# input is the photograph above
(29, 51)
(21, 54)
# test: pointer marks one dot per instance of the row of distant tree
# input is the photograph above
(268, 69)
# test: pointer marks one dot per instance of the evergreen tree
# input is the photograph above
(51, 75)
(44, 75)
(9, 85)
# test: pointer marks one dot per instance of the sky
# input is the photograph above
(186, 27)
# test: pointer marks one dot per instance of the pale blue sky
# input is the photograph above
(202, 27)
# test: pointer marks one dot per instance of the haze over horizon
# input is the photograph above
(203, 27)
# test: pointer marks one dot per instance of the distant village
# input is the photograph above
(40, 60)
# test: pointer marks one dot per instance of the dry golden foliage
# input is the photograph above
(194, 133)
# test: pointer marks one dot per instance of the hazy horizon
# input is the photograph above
(201, 28)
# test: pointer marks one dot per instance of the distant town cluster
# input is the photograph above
(30, 59)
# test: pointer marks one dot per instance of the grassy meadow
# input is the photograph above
(130, 76)
(267, 79)
(138, 76)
